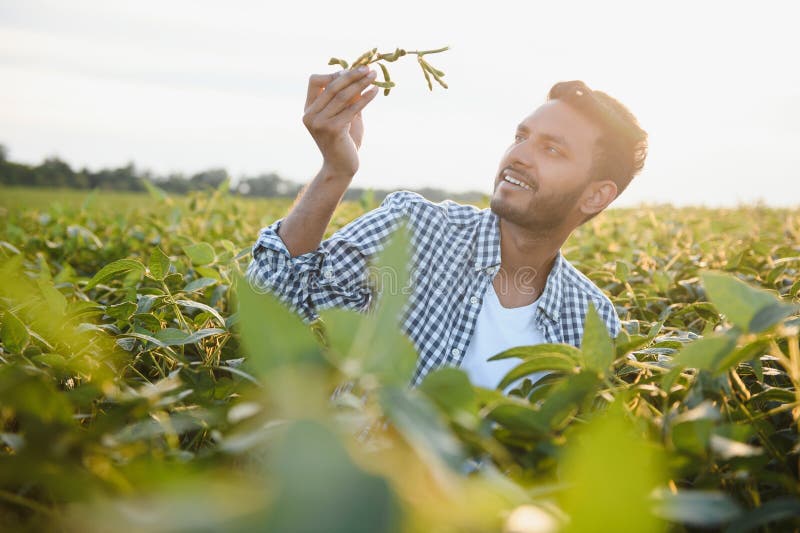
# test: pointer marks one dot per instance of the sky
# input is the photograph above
(184, 86)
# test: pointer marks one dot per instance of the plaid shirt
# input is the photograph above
(456, 253)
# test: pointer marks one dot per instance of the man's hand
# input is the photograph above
(333, 117)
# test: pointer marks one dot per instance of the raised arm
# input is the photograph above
(333, 117)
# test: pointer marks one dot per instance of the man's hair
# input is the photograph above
(620, 152)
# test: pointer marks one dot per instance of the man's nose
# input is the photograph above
(521, 154)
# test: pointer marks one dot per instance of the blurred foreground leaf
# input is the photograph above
(321, 489)
(598, 498)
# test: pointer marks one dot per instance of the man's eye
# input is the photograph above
(554, 150)
(517, 137)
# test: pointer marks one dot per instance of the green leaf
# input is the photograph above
(708, 353)
(38, 405)
(53, 360)
(200, 253)
(744, 306)
(450, 388)
(272, 334)
(121, 311)
(176, 337)
(156, 193)
(208, 272)
(159, 264)
(117, 268)
(56, 301)
(320, 488)
(693, 437)
(609, 472)
(533, 364)
(561, 403)
(771, 511)
(527, 352)
(770, 315)
(373, 343)
(359, 346)
(597, 346)
(523, 420)
(727, 448)
(566, 397)
(748, 352)
(698, 508)
(662, 281)
(772, 394)
(14, 335)
(199, 284)
(631, 344)
(691, 430)
(420, 424)
(622, 271)
(203, 307)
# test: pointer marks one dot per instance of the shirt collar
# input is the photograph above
(486, 256)
(550, 300)
(486, 246)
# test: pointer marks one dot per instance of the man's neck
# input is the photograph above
(526, 259)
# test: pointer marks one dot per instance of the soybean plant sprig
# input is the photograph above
(372, 56)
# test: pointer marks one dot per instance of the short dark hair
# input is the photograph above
(622, 148)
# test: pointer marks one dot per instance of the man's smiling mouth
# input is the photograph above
(515, 181)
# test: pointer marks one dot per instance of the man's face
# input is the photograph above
(551, 155)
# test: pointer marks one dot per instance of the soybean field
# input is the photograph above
(144, 386)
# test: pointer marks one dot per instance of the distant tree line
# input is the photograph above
(56, 173)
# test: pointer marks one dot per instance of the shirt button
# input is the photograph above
(474, 300)
(327, 273)
(491, 270)
(455, 352)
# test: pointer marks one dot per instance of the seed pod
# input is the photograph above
(336, 61)
(437, 74)
(436, 71)
(372, 56)
(386, 78)
(364, 58)
(425, 71)
(394, 56)
(440, 80)
(385, 72)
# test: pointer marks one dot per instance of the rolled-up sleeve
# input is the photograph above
(333, 275)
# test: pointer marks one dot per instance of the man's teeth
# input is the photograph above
(516, 182)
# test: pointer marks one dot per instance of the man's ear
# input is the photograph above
(598, 195)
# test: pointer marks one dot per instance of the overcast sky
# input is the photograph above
(190, 85)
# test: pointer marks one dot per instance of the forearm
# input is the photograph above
(304, 227)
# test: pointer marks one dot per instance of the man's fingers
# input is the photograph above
(347, 96)
(349, 113)
(333, 88)
(317, 83)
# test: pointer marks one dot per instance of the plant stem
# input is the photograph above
(429, 51)
(25, 502)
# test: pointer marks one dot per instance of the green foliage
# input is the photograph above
(15, 335)
(597, 348)
(315, 473)
(610, 472)
(748, 308)
(145, 385)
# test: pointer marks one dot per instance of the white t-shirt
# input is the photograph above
(497, 329)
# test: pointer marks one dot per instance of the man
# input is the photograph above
(485, 280)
